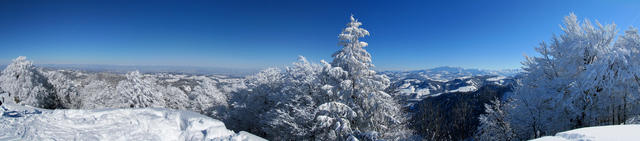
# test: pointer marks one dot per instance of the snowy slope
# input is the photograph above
(599, 133)
(413, 89)
(416, 85)
(28, 123)
(444, 74)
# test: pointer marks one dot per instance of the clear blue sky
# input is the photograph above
(405, 35)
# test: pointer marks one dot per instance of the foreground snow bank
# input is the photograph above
(599, 133)
(28, 123)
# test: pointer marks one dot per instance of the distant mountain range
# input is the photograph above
(414, 86)
(150, 69)
(449, 99)
(448, 73)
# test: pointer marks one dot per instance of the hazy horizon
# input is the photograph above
(405, 35)
(203, 69)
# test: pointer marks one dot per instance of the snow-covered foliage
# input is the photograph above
(97, 94)
(584, 77)
(333, 121)
(26, 85)
(207, 99)
(29, 85)
(65, 89)
(139, 92)
(359, 87)
(341, 100)
(494, 123)
(27, 123)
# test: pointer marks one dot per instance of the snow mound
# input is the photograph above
(599, 133)
(28, 123)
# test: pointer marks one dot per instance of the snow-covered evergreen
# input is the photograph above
(308, 100)
(358, 86)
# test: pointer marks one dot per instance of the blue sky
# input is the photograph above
(405, 35)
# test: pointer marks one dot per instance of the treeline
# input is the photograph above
(65, 89)
(454, 116)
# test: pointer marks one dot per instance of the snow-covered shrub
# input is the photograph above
(98, 94)
(207, 99)
(139, 92)
(175, 98)
(64, 88)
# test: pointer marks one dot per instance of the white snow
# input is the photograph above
(423, 92)
(598, 133)
(28, 123)
(497, 78)
(465, 89)
(407, 90)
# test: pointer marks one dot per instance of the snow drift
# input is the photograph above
(599, 133)
(28, 123)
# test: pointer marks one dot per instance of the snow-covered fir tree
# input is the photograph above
(357, 85)
(300, 100)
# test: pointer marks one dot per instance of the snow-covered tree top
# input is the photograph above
(352, 57)
(19, 64)
(352, 32)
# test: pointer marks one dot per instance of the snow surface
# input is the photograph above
(497, 78)
(599, 133)
(444, 74)
(27, 123)
(465, 89)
